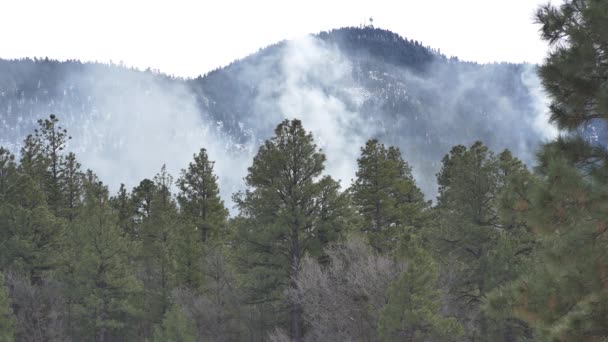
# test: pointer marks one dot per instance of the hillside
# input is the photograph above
(346, 85)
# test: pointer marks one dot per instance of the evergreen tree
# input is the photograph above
(573, 73)
(176, 327)
(159, 221)
(32, 163)
(52, 140)
(199, 197)
(563, 292)
(481, 249)
(70, 184)
(34, 234)
(187, 252)
(8, 175)
(414, 301)
(105, 286)
(287, 210)
(141, 197)
(124, 209)
(468, 218)
(386, 195)
(7, 320)
(8, 189)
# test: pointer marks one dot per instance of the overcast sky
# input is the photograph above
(188, 38)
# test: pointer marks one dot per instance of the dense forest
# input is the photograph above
(505, 253)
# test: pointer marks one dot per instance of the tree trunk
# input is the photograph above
(295, 309)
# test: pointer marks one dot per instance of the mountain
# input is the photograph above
(347, 85)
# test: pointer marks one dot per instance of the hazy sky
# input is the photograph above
(188, 38)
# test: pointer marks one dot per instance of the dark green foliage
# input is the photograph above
(481, 236)
(188, 254)
(288, 210)
(386, 195)
(142, 196)
(157, 215)
(124, 208)
(7, 320)
(52, 139)
(574, 72)
(104, 283)
(32, 234)
(8, 176)
(8, 191)
(563, 293)
(70, 185)
(202, 223)
(414, 301)
(199, 198)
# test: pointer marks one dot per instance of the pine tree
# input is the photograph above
(287, 210)
(176, 327)
(481, 249)
(8, 190)
(141, 197)
(414, 301)
(104, 282)
(563, 291)
(8, 175)
(187, 251)
(199, 198)
(158, 226)
(124, 209)
(70, 184)
(34, 233)
(386, 195)
(52, 140)
(7, 321)
(468, 218)
(573, 73)
(32, 163)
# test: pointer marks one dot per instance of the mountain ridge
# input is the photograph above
(348, 85)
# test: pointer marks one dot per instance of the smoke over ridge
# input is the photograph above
(128, 123)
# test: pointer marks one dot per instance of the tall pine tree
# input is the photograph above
(199, 198)
(386, 195)
(158, 222)
(564, 293)
(288, 209)
(480, 249)
(104, 284)
(52, 140)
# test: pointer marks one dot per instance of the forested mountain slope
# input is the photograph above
(346, 85)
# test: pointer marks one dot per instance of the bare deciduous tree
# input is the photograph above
(40, 310)
(342, 301)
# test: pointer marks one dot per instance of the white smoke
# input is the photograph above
(309, 68)
(127, 136)
(541, 122)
